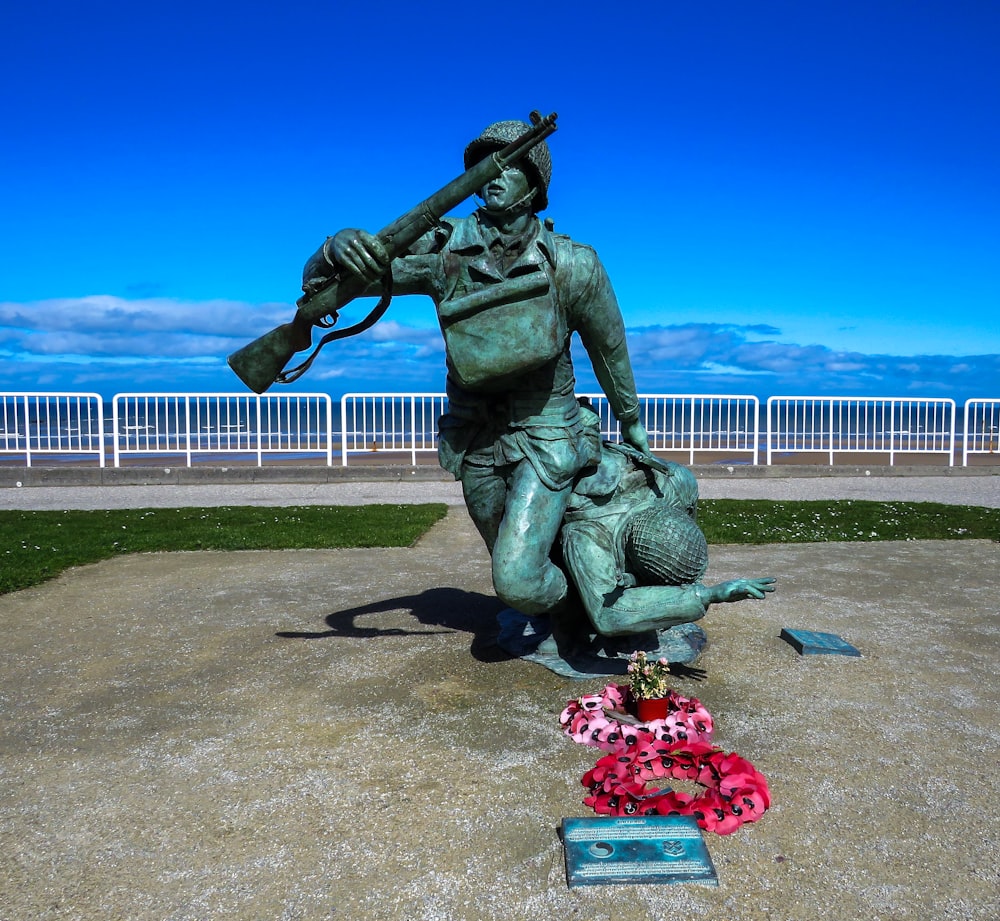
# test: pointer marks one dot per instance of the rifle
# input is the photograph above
(261, 363)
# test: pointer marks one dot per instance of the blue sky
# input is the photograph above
(790, 197)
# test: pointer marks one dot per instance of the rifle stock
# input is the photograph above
(260, 363)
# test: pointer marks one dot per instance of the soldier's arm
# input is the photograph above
(415, 272)
(597, 318)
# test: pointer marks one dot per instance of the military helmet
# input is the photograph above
(663, 546)
(684, 489)
(537, 164)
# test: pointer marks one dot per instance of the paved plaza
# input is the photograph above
(335, 734)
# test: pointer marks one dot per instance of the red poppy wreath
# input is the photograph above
(678, 747)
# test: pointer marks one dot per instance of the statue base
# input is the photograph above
(593, 655)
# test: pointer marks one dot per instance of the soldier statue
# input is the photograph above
(509, 294)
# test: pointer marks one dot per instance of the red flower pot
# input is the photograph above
(654, 709)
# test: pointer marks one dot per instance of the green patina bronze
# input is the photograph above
(510, 293)
(632, 546)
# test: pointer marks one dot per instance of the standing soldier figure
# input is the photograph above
(509, 295)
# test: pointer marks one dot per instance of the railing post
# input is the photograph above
(756, 429)
(116, 458)
(328, 407)
(413, 430)
(831, 433)
(892, 432)
(965, 433)
(770, 440)
(690, 403)
(260, 442)
(187, 425)
(27, 433)
(343, 430)
(100, 431)
(951, 437)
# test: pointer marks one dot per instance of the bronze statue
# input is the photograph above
(631, 544)
(635, 557)
(509, 294)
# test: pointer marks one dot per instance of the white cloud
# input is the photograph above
(101, 342)
(102, 314)
(749, 357)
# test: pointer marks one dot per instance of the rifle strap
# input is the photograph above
(287, 377)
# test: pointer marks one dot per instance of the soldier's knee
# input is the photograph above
(529, 589)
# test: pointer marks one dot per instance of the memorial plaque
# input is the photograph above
(811, 643)
(643, 849)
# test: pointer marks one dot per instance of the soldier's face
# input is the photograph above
(507, 189)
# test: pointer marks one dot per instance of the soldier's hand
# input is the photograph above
(360, 252)
(741, 589)
(635, 434)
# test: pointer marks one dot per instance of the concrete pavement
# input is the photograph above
(335, 735)
(57, 488)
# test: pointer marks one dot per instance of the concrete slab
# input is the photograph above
(175, 488)
(324, 735)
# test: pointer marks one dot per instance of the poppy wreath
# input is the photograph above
(592, 720)
(735, 791)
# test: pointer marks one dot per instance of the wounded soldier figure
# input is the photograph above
(633, 549)
(635, 558)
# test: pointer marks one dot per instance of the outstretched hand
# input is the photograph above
(740, 589)
(360, 252)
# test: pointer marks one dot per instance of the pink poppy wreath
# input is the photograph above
(602, 720)
(735, 791)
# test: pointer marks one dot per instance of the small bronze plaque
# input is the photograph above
(811, 643)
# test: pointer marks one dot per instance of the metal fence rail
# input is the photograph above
(191, 425)
(68, 424)
(372, 422)
(691, 423)
(981, 432)
(686, 423)
(879, 425)
(151, 424)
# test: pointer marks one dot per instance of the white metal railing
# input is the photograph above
(691, 423)
(372, 422)
(34, 424)
(686, 423)
(70, 424)
(879, 425)
(151, 424)
(981, 431)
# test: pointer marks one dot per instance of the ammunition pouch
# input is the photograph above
(498, 333)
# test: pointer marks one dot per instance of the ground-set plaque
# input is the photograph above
(812, 643)
(641, 849)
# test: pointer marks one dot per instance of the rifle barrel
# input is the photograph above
(409, 227)
(259, 363)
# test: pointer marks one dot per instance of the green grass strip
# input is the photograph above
(760, 521)
(38, 545)
(35, 546)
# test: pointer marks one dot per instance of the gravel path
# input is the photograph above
(957, 490)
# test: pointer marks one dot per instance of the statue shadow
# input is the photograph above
(451, 609)
(689, 672)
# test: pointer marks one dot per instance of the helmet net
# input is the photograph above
(665, 547)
